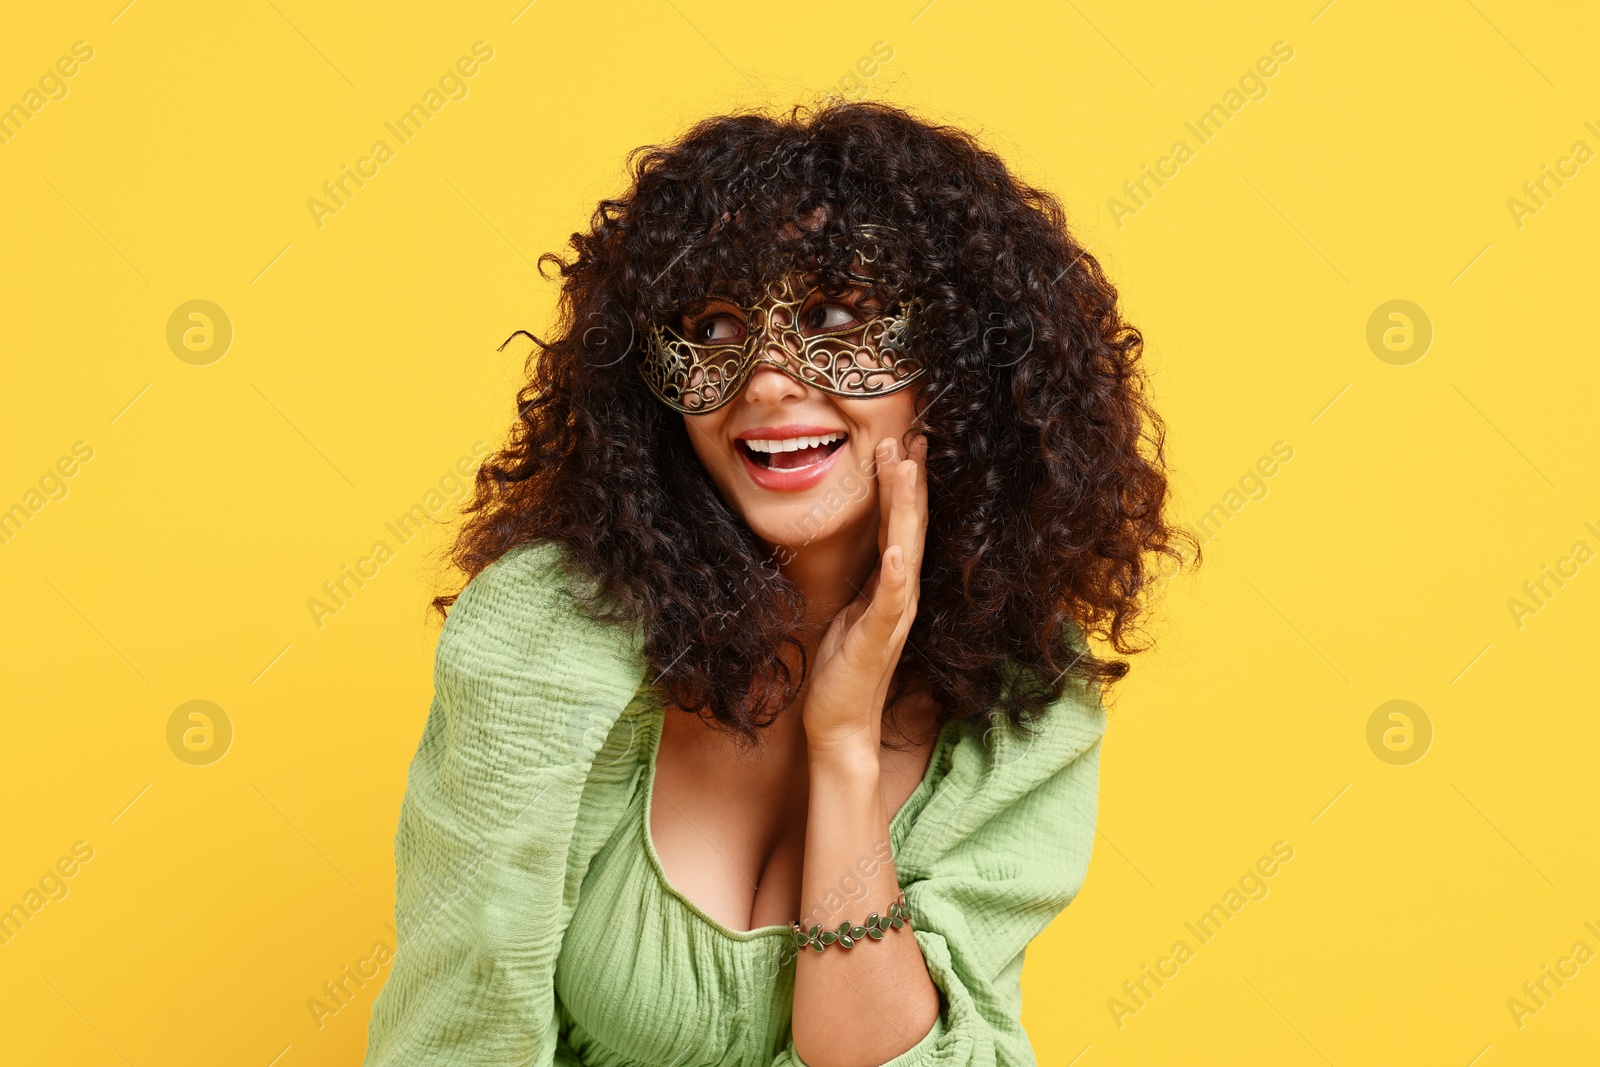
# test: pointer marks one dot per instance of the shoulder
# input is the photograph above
(1004, 791)
(997, 763)
(1001, 762)
(519, 591)
(519, 657)
(518, 610)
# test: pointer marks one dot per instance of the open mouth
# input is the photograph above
(793, 453)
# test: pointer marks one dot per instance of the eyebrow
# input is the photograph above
(721, 289)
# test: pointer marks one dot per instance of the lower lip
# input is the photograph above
(788, 481)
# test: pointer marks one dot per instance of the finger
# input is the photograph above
(919, 456)
(871, 584)
(889, 602)
(905, 524)
(886, 454)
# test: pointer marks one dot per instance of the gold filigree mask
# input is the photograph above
(853, 346)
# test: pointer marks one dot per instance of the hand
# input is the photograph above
(859, 651)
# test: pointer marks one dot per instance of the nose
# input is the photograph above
(767, 380)
(775, 331)
(769, 385)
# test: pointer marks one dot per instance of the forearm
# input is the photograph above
(865, 1005)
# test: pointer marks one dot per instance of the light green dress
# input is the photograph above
(536, 925)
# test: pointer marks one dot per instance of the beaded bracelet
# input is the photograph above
(849, 933)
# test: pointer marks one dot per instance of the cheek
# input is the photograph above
(705, 438)
(702, 431)
(856, 488)
(880, 417)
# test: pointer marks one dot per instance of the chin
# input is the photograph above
(807, 520)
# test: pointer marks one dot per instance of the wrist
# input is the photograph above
(848, 756)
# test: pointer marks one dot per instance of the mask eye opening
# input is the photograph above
(715, 312)
(860, 303)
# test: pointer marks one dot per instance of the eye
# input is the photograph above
(851, 310)
(717, 328)
(713, 326)
(829, 316)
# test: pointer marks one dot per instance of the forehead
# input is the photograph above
(798, 278)
(741, 265)
(795, 287)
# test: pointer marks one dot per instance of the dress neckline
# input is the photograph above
(658, 713)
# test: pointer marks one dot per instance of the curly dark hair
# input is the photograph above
(1046, 475)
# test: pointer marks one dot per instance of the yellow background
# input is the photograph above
(1377, 567)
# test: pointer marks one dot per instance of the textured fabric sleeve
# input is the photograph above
(525, 692)
(565, 1057)
(1000, 850)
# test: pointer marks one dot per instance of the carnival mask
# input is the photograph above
(831, 343)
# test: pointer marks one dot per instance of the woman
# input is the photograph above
(766, 729)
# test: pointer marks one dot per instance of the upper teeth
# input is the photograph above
(792, 444)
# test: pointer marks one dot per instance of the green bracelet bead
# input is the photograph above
(849, 934)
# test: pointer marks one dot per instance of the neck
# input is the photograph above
(830, 573)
